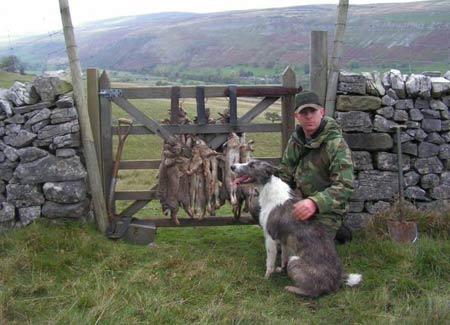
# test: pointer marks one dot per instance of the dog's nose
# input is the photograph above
(233, 167)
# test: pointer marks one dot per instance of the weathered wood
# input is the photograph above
(338, 48)
(200, 99)
(148, 122)
(174, 104)
(208, 221)
(287, 108)
(106, 134)
(93, 103)
(258, 109)
(87, 137)
(207, 129)
(232, 93)
(135, 195)
(210, 91)
(133, 208)
(318, 62)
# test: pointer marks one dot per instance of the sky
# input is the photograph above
(30, 17)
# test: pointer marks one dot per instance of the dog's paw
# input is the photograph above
(268, 274)
(280, 269)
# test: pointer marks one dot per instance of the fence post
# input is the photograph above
(94, 113)
(106, 134)
(318, 62)
(287, 108)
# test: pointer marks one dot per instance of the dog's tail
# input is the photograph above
(352, 279)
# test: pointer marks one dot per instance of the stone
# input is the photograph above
(374, 85)
(21, 139)
(427, 149)
(31, 154)
(51, 131)
(428, 165)
(440, 192)
(22, 94)
(60, 210)
(445, 178)
(431, 125)
(444, 151)
(387, 112)
(369, 141)
(420, 135)
(415, 114)
(65, 153)
(377, 207)
(412, 125)
(6, 107)
(50, 169)
(28, 214)
(356, 206)
(352, 88)
(11, 153)
(65, 192)
(415, 193)
(24, 195)
(410, 148)
(404, 104)
(411, 178)
(38, 126)
(438, 105)
(400, 116)
(429, 113)
(7, 212)
(435, 138)
(362, 160)
(429, 181)
(65, 102)
(388, 101)
(50, 87)
(388, 161)
(66, 141)
(421, 103)
(381, 124)
(30, 108)
(42, 115)
(374, 185)
(63, 115)
(439, 86)
(418, 86)
(354, 121)
(346, 103)
(397, 83)
(15, 119)
(447, 75)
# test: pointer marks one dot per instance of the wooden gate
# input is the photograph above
(101, 95)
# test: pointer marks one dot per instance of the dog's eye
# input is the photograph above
(250, 164)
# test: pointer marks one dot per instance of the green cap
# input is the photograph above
(307, 99)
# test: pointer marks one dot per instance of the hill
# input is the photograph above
(378, 36)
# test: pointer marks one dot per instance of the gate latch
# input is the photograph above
(111, 92)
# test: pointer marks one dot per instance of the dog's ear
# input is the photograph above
(269, 170)
(276, 171)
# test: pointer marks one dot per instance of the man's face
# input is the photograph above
(309, 119)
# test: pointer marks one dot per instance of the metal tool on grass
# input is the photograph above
(400, 230)
(122, 135)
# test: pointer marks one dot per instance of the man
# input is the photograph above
(318, 163)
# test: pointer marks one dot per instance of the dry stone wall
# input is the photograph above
(41, 168)
(368, 105)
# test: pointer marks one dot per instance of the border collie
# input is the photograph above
(311, 259)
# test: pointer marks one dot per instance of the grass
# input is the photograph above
(57, 272)
(8, 78)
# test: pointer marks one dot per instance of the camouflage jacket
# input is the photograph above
(322, 168)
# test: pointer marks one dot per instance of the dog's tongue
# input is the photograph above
(241, 179)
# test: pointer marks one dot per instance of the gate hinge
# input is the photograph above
(111, 92)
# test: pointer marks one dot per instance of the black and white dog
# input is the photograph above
(311, 259)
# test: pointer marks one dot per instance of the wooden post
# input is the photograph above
(318, 62)
(287, 108)
(106, 134)
(94, 111)
(85, 124)
(338, 48)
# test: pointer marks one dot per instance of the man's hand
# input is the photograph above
(304, 209)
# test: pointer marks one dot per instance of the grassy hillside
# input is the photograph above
(8, 78)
